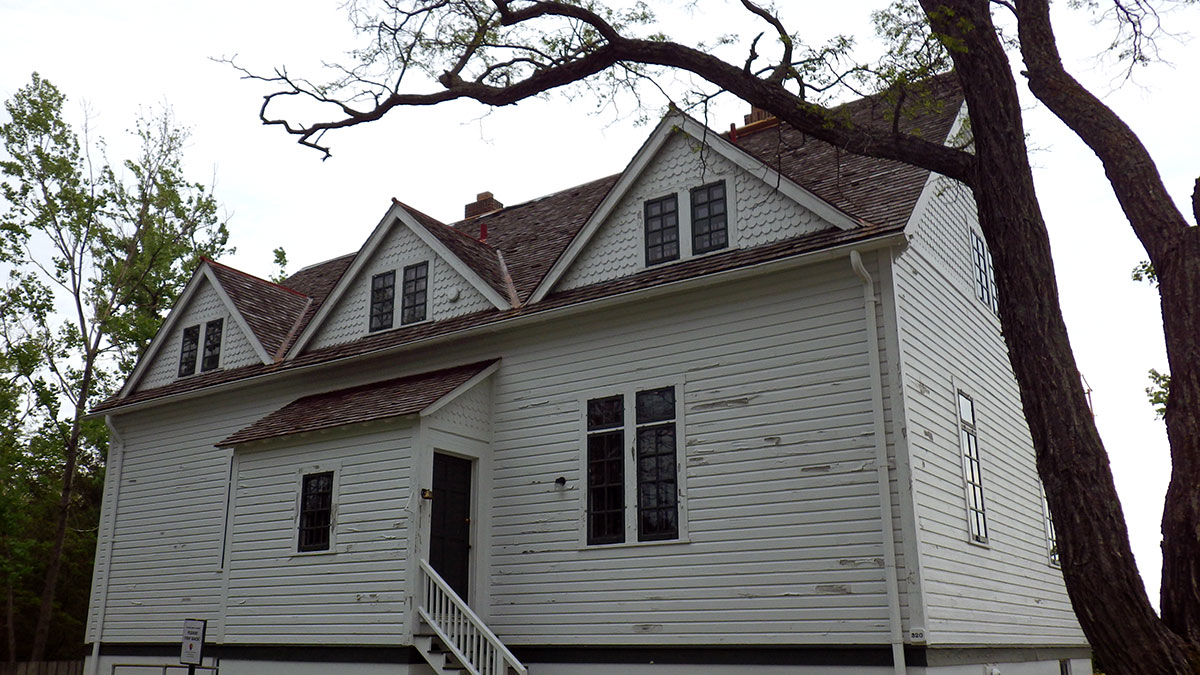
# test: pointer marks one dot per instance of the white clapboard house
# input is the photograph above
(743, 408)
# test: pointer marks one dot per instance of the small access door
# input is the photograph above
(450, 527)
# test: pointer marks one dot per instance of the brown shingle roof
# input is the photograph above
(480, 257)
(366, 403)
(270, 310)
(317, 282)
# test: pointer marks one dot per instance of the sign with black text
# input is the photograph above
(193, 641)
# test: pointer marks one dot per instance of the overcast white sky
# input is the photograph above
(120, 55)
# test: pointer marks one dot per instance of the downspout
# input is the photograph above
(881, 462)
(116, 461)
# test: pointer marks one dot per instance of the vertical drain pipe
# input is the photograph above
(881, 462)
(116, 462)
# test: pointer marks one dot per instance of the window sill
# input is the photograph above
(633, 544)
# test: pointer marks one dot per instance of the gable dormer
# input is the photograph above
(413, 270)
(688, 193)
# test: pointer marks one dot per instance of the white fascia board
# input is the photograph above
(237, 316)
(460, 389)
(499, 301)
(713, 140)
(165, 329)
(348, 277)
(930, 189)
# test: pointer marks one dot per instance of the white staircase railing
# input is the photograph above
(462, 632)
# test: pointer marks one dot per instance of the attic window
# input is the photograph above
(416, 282)
(709, 226)
(187, 355)
(662, 230)
(212, 345)
(383, 295)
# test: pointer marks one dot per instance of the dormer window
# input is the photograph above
(662, 230)
(383, 296)
(709, 224)
(212, 345)
(187, 354)
(413, 302)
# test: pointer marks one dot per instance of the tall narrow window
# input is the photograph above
(187, 354)
(658, 512)
(1051, 535)
(709, 226)
(212, 345)
(383, 295)
(662, 230)
(985, 279)
(416, 283)
(976, 518)
(605, 470)
(316, 511)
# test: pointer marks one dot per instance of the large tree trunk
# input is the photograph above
(1105, 588)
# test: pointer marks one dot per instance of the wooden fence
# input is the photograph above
(42, 668)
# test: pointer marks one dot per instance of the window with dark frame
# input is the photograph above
(212, 345)
(985, 279)
(605, 470)
(383, 295)
(416, 283)
(662, 229)
(710, 230)
(1051, 535)
(316, 511)
(657, 493)
(187, 353)
(976, 516)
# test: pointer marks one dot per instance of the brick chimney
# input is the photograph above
(757, 114)
(484, 203)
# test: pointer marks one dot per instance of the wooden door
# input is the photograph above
(450, 529)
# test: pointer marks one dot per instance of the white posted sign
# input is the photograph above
(193, 641)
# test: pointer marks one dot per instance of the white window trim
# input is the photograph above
(398, 296)
(1048, 530)
(202, 323)
(993, 307)
(957, 387)
(301, 472)
(683, 202)
(628, 392)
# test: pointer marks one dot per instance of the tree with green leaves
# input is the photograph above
(500, 52)
(96, 254)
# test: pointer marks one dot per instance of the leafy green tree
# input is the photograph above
(500, 52)
(96, 257)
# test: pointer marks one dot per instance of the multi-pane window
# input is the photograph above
(1051, 535)
(416, 283)
(658, 511)
(976, 517)
(985, 280)
(383, 294)
(316, 511)
(709, 222)
(662, 229)
(649, 418)
(605, 470)
(212, 345)
(187, 354)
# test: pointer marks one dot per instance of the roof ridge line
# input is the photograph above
(256, 278)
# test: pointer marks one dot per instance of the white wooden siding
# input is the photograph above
(469, 415)
(400, 248)
(352, 594)
(1005, 593)
(758, 213)
(206, 305)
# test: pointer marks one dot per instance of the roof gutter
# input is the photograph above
(800, 260)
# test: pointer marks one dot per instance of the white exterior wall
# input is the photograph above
(1006, 592)
(206, 305)
(355, 592)
(401, 247)
(758, 212)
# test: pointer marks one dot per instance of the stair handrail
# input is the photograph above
(453, 638)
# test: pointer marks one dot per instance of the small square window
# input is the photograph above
(416, 284)
(662, 230)
(316, 511)
(187, 353)
(383, 295)
(710, 231)
(212, 345)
